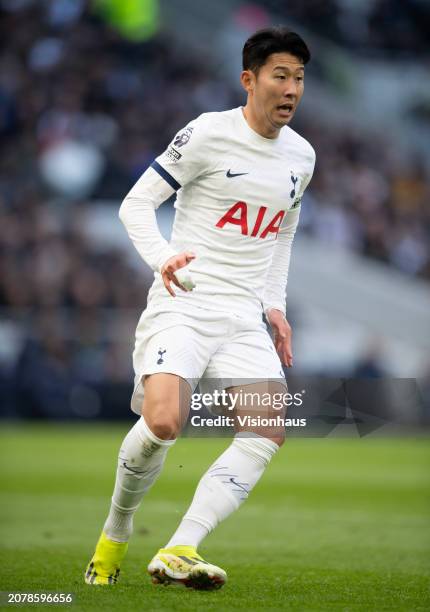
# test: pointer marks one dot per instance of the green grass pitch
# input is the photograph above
(335, 523)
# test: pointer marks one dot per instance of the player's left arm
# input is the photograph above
(274, 300)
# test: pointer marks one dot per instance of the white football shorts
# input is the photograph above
(219, 350)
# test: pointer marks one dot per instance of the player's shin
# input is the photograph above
(224, 487)
(140, 461)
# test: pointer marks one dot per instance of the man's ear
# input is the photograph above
(247, 78)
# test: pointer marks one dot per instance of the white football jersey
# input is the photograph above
(235, 189)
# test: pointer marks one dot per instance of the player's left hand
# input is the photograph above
(282, 335)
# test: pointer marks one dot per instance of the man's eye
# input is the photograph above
(299, 79)
(280, 76)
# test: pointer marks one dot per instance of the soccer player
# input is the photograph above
(240, 176)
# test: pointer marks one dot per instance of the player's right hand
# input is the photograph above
(172, 272)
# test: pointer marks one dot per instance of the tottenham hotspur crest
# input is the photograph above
(160, 359)
(294, 180)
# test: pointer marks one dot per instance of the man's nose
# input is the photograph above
(290, 88)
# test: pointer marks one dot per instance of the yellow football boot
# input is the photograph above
(183, 565)
(103, 569)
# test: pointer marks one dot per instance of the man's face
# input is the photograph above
(277, 89)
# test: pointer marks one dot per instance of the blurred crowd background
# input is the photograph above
(91, 92)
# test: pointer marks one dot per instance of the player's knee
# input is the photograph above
(162, 422)
(163, 427)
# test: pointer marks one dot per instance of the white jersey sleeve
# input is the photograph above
(137, 213)
(183, 160)
(187, 156)
(277, 278)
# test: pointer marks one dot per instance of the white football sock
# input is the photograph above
(141, 458)
(224, 487)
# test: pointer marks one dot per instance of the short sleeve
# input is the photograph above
(187, 155)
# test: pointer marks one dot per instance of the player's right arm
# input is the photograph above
(137, 213)
(182, 161)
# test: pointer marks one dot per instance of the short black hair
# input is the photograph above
(276, 39)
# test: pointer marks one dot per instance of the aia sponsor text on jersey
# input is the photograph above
(238, 215)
